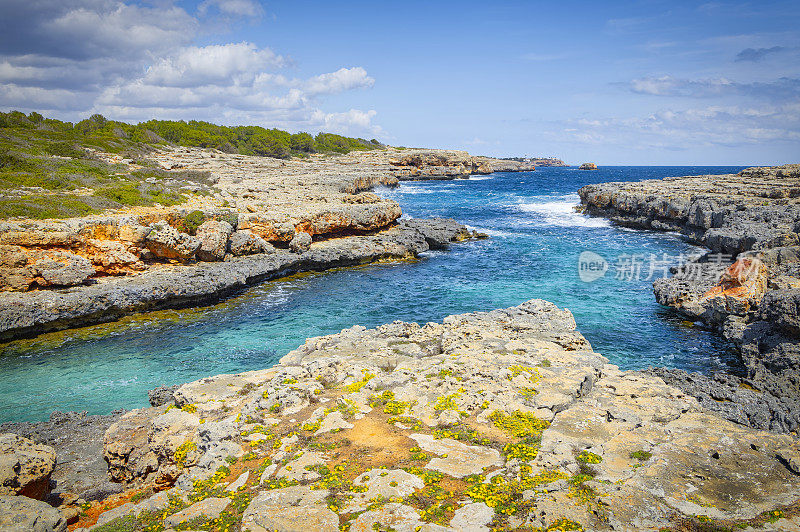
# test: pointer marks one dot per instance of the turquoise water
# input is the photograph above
(536, 238)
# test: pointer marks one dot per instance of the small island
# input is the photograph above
(588, 166)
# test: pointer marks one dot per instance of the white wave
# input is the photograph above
(480, 177)
(419, 189)
(560, 212)
(492, 232)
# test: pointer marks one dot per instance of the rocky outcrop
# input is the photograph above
(451, 164)
(744, 288)
(301, 242)
(244, 242)
(25, 467)
(274, 200)
(166, 242)
(21, 514)
(80, 473)
(588, 166)
(753, 210)
(109, 298)
(735, 398)
(213, 236)
(505, 419)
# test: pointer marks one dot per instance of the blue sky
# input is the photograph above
(646, 82)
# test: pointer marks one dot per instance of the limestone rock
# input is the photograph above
(383, 483)
(62, 268)
(457, 460)
(474, 517)
(162, 395)
(301, 468)
(244, 242)
(393, 516)
(165, 241)
(301, 242)
(292, 509)
(22, 514)
(588, 166)
(213, 236)
(208, 508)
(25, 467)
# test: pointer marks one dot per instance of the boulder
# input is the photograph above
(62, 268)
(162, 395)
(213, 236)
(25, 467)
(112, 257)
(208, 508)
(244, 242)
(292, 509)
(22, 514)
(440, 232)
(301, 242)
(166, 242)
(15, 271)
(740, 288)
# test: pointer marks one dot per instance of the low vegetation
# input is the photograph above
(48, 168)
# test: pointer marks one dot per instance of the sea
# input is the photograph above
(539, 246)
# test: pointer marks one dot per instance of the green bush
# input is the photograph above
(192, 221)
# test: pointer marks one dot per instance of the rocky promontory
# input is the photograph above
(248, 219)
(747, 287)
(489, 420)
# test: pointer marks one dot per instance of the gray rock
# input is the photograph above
(293, 509)
(213, 236)
(162, 395)
(244, 242)
(62, 268)
(80, 469)
(164, 241)
(439, 233)
(22, 514)
(301, 242)
(735, 398)
(209, 508)
(25, 467)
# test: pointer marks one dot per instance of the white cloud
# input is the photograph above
(342, 80)
(215, 64)
(350, 122)
(686, 129)
(779, 90)
(134, 62)
(239, 8)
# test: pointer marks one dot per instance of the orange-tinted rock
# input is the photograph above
(741, 287)
(112, 257)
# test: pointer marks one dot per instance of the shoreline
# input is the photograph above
(96, 269)
(743, 288)
(28, 314)
(515, 394)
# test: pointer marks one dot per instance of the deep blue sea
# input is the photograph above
(536, 238)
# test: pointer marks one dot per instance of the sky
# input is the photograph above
(643, 82)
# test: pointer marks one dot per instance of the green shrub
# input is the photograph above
(192, 221)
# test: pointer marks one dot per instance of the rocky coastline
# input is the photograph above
(747, 286)
(253, 219)
(487, 420)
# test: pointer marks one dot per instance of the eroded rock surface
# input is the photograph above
(319, 208)
(25, 467)
(506, 418)
(745, 288)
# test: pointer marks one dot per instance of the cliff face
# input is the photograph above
(500, 419)
(748, 286)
